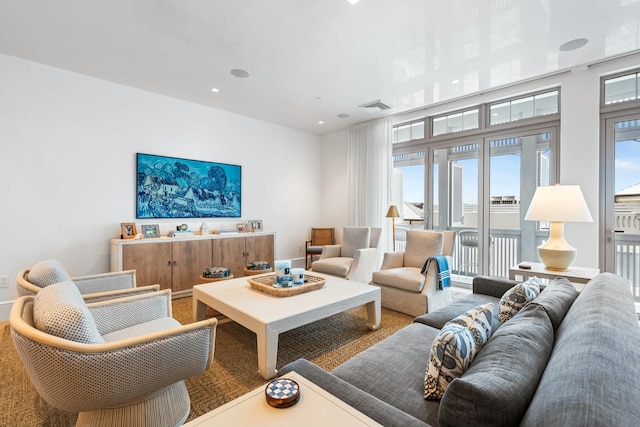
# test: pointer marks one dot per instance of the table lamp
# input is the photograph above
(558, 204)
(393, 214)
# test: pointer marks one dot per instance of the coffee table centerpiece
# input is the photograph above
(268, 285)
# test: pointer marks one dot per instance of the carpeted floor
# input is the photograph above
(328, 343)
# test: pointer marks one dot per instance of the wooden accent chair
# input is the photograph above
(319, 238)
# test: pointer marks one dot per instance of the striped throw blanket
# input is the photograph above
(444, 274)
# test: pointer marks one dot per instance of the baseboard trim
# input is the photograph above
(5, 309)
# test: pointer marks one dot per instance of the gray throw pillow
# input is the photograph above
(498, 387)
(556, 299)
(60, 310)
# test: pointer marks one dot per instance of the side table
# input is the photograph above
(316, 407)
(579, 276)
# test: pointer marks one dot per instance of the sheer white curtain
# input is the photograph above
(369, 174)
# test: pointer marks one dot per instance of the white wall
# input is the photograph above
(67, 166)
(579, 142)
(335, 194)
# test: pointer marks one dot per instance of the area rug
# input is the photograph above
(328, 343)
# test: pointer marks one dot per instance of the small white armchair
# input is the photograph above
(95, 287)
(355, 259)
(403, 287)
(120, 362)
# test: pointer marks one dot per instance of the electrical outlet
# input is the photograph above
(299, 249)
(4, 281)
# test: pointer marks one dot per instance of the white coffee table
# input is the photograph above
(268, 316)
(316, 407)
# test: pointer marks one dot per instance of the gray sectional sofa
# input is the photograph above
(566, 359)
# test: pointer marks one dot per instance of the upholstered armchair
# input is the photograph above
(120, 362)
(403, 287)
(355, 259)
(95, 287)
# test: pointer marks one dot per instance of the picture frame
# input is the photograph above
(150, 231)
(128, 230)
(242, 227)
(255, 225)
(172, 187)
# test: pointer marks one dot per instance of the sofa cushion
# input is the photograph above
(598, 339)
(517, 297)
(455, 347)
(393, 371)
(438, 318)
(338, 266)
(354, 238)
(556, 299)
(405, 278)
(59, 310)
(47, 273)
(422, 244)
(498, 386)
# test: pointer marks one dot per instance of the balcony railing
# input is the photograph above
(505, 253)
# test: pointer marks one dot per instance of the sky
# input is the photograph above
(505, 177)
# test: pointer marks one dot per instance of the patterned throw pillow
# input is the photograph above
(455, 347)
(517, 297)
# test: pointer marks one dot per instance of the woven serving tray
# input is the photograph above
(266, 284)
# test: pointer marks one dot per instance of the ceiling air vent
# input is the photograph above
(375, 106)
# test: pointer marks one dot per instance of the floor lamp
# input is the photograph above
(393, 214)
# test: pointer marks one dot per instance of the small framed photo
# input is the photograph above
(150, 231)
(128, 230)
(242, 227)
(255, 225)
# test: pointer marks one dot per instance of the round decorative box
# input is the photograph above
(282, 393)
(216, 273)
(257, 267)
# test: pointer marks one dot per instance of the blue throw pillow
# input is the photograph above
(455, 347)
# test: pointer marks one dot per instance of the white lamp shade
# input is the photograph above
(558, 203)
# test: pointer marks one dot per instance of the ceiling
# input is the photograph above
(311, 60)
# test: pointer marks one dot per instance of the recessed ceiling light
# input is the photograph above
(353, 1)
(320, 122)
(215, 90)
(240, 73)
(573, 44)
(343, 115)
(455, 81)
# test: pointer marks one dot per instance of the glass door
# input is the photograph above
(517, 165)
(622, 198)
(408, 194)
(454, 198)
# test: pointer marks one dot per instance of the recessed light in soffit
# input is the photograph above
(573, 44)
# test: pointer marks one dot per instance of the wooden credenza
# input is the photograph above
(177, 263)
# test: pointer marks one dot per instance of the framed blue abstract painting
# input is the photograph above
(170, 187)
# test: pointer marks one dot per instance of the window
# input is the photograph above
(408, 132)
(456, 122)
(621, 89)
(524, 108)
